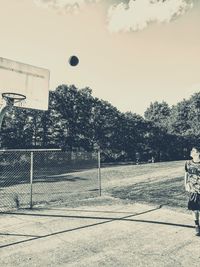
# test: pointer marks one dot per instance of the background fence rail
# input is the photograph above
(29, 178)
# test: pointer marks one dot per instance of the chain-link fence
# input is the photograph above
(29, 178)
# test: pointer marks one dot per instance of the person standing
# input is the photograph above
(192, 185)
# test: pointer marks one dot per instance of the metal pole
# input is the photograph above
(31, 182)
(3, 111)
(99, 172)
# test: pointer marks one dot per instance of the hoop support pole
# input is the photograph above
(3, 111)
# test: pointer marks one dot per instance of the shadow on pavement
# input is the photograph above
(105, 220)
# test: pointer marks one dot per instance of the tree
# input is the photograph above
(70, 116)
(158, 113)
(179, 123)
(134, 128)
(106, 125)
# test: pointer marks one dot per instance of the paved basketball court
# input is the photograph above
(109, 235)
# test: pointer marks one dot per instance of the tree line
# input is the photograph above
(77, 121)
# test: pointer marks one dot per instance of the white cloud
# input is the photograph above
(132, 16)
(137, 14)
(63, 5)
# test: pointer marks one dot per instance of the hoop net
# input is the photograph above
(12, 98)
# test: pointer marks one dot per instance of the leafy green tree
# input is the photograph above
(15, 133)
(70, 114)
(179, 123)
(158, 113)
(134, 128)
(106, 125)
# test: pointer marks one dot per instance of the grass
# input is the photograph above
(169, 192)
(158, 183)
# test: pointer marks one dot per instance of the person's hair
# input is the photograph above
(197, 147)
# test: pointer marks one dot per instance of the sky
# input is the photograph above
(131, 53)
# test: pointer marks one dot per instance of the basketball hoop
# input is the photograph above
(10, 100)
(22, 86)
(13, 98)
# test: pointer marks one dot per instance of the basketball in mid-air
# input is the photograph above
(73, 61)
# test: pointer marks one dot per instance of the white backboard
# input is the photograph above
(31, 81)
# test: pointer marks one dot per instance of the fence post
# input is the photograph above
(99, 172)
(31, 182)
